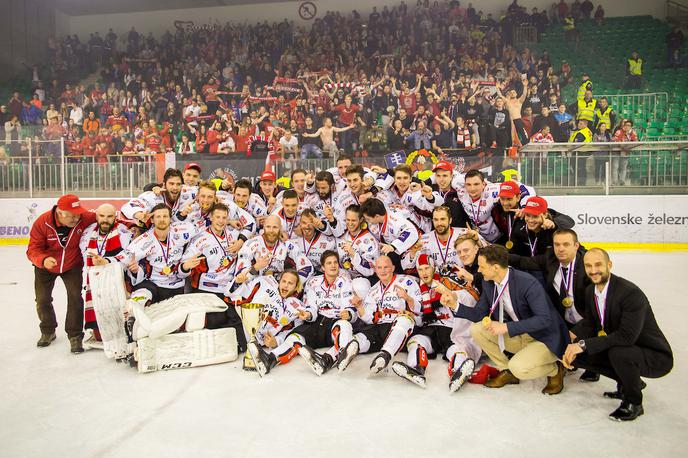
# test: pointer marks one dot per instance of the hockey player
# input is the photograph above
(478, 197)
(141, 208)
(355, 193)
(395, 233)
(217, 248)
(322, 198)
(330, 296)
(281, 313)
(289, 213)
(441, 333)
(312, 243)
(105, 237)
(249, 201)
(403, 194)
(390, 310)
(197, 211)
(358, 248)
(298, 186)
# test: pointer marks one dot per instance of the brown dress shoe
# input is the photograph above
(555, 384)
(505, 377)
(45, 339)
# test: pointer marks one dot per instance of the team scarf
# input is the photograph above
(111, 246)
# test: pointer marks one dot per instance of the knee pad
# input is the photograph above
(421, 340)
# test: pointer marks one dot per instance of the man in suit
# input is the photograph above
(618, 336)
(515, 314)
(565, 279)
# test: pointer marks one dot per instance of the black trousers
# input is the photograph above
(158, 292)
(626, 365)
(376, 334)
(44, 282)
(317, 334)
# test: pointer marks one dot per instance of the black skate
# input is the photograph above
(414, 375)
(460, 375)
(263, 360)
(319, 363)
(346, 355)
(380, 362)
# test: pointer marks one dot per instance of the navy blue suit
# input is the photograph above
(536, 314)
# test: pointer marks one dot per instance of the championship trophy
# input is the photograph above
(251, 314)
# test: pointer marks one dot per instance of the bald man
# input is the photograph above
(105, 237)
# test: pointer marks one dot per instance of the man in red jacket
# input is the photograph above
(54, 252)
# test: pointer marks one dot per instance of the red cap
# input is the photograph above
(193, 165)
(70, 203)
(509, 189)
(443, 165)
(535, 206)
(424, 260)
(268, 176)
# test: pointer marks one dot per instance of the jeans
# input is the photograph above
(619, 169)
(310, 150)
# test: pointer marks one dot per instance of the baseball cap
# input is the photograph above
(424, 260)
(509, 189)
(268, 176)
(193, 165)
(535, 205)
(70, 203)
(443, 165)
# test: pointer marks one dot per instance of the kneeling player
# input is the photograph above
(391, 310)
(441, 333)
(282, 311)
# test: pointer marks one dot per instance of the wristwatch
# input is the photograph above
(581, 343)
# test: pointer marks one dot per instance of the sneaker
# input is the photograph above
(380, 362)
(415, 375)
(346, 355)
(460, 375)
(45, 340)
(75, 344)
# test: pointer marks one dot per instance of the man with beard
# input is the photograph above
(402, 194)
(249, 201)
(532, 235)
(439, 243)
(298, 186)
(105, 237)
(54, 252)
(390, 310)
(217, 247)
(140, 208)
(322, 198)
(618, 336)
(355, 193)
(441, 333)
(191, 177)
(312, 243)
(159, 253)
(357, 247)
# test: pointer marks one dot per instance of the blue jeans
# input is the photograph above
(310, 150)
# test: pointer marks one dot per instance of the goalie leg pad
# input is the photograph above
(108, 297)
(187, 349)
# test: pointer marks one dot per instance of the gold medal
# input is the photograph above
(225, 261)
(166, 270)
(567, 302)
(347, 265)
(486, 321)
(601, 333)
(509, 244)
(284, 321)
(269, 273)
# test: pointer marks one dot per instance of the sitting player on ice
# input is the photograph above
(390, 309)
(441, 333)
(282, 311)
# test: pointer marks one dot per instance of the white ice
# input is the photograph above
(57, 404)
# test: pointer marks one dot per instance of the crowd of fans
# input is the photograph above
(437, 75)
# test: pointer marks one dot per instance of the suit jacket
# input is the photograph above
(536, 314)
(548, 264)
(628, 320)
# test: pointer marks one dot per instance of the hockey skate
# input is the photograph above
(319, 363)
(460, 375)
(264, 361)
(380, 362)
(90, 342)
(414, 375)
(346, 355)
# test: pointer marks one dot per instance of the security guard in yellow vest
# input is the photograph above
(586, 108)
(586, 85)
(634, 70)
(580, 159)
(604, 114)
(581, 135)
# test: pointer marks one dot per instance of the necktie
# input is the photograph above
(562, 286)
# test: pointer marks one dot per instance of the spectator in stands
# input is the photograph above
(420, 138)
(586, 9)
(634, 71)
(565, 120)
(674, 42)
(13, 135)
(602, 135)
(620, 162)
(15, 105)
(543, 136)
(582, 134)
(599, 15)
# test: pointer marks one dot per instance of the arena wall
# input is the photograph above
(160, 21)
(658, 223)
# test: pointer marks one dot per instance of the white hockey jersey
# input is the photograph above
(444, 255)
(330, 299)
(279, 253)
(315, 248)
(396, 231)
(366, 251)
(216, 271)
(383, 304)
(480, 210)
(147, 200)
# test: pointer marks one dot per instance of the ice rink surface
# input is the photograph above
(61, 405)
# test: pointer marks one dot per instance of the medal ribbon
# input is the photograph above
(101, 249)
(444, 255)
(568, 284)
(272, 252)
(382, 298)
(310, 244)
(165, 254)
(475, 214)
(224, 237)
(496, 301)
(511, 225)
(599, 312)
(327, 291)
(532, 245)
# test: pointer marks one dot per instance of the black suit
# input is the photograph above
(634, 345)
(548, 264)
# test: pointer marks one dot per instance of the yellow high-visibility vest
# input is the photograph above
(587, 134)
(635, 67)
(582, 88)
(586, 110)
(569, 23)
(604, 117)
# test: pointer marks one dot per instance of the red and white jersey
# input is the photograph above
(158, 257)
(147, 200)
(104, 245)
(383, 304)
(396, 231)
(479, 211)
(366, 251)
(443, 254)
(436, 314)
(279, 314)
(341, 202)
(330, 299)
(314, 248)
(255, 206)
(216, 270)
(249, 226)
(289, 225)
(302, 201)
(410, 201)
(278, 253)
(318, 204)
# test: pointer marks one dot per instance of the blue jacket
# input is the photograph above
(536, 314)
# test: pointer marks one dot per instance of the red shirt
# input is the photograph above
(408, 103)
(346, 114)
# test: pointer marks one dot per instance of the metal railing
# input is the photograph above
(525, 35)
(655, 103)
(676, 12)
